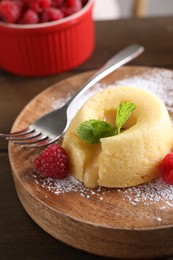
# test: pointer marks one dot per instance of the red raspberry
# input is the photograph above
(40, 5)
(51, 14)
(10, 11)
(71, 7)
(30, 17)
(57, 3)
(37, 5)
(45, 3)
(166, 168)
(52, 162)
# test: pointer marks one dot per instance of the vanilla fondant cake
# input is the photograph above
(129, 158)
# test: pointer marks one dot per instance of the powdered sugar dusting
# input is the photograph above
(160, 83)
(69, 184)
(153, 192)
(57, 103)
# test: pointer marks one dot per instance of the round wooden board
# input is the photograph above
(107, 222)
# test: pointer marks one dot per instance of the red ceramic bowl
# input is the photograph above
(47, 48)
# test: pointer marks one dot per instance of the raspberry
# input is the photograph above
(36, 11)
(166, 168)
(45, 3)
(71, 7)
(52, 162)
(29, 17)
(57, 3)
(37, 5)
(51, 14)
(10, 11)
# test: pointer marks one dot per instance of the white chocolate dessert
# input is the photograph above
(129, 158)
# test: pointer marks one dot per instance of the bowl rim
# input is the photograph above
(64, 20)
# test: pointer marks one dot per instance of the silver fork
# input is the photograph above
(50, 127)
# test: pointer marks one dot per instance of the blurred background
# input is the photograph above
(115, 9)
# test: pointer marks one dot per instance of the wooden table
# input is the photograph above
(20, 237)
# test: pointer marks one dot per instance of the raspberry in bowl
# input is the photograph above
(45, 37)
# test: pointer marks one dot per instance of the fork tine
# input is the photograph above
(24, 137)
(40, 144)
(19, 133)
(32, 140)
(45, 142)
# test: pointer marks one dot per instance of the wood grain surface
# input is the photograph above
(105, 224)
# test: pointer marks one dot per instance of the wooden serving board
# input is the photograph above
(108, 222)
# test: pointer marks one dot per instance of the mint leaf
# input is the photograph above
(123, 113)
(92, 130)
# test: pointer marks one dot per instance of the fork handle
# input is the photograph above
(114, 63)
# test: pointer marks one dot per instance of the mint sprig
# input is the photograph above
(123, 113)
(92, 130)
